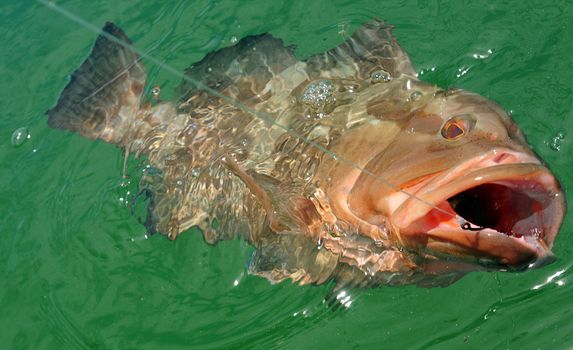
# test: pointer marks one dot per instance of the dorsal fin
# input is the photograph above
(242, 71)
(104, 93)
(244, 68)
(371, 48)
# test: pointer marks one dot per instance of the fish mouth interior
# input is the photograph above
(507, 223)
(499, 208)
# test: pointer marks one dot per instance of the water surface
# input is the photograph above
(78, 272)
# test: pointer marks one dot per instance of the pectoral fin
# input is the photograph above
(287, 210)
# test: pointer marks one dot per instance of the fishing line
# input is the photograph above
(261, 115)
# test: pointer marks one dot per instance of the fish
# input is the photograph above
(342, 166)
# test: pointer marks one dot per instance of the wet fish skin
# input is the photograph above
(264, 170)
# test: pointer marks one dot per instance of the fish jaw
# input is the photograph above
(502, 209)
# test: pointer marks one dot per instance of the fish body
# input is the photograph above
(342, 166)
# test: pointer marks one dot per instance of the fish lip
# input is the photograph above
(507, 167)
(493, 249)
(478, 260)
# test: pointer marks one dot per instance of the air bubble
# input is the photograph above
(462, 71)
(380, 76)
(483, 55)
(234, 40)
(20, 136)
(350, 88)
(343, 29)
(320, 243)
(318, 94)
(415, 96)
(556, 141)
(426, 71)
(155, 91)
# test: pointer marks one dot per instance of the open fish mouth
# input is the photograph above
(502, 209)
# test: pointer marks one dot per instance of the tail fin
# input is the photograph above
(103, 95)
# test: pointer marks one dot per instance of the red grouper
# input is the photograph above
(343, 166)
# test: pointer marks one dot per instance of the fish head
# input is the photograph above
(459, 182)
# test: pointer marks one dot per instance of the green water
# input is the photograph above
(78, 272)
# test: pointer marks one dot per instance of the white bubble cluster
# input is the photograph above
(318, 94)
(380, 76)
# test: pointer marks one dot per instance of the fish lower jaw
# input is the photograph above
(489, 247)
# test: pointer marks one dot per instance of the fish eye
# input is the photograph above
(458, 126)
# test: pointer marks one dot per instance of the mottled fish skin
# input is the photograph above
(229, 166)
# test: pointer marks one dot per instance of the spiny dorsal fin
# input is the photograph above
(372, 47)
(104, 92)
(244, 69)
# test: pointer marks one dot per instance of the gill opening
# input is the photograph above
(464, 224)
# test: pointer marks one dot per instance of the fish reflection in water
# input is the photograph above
(343, 166)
